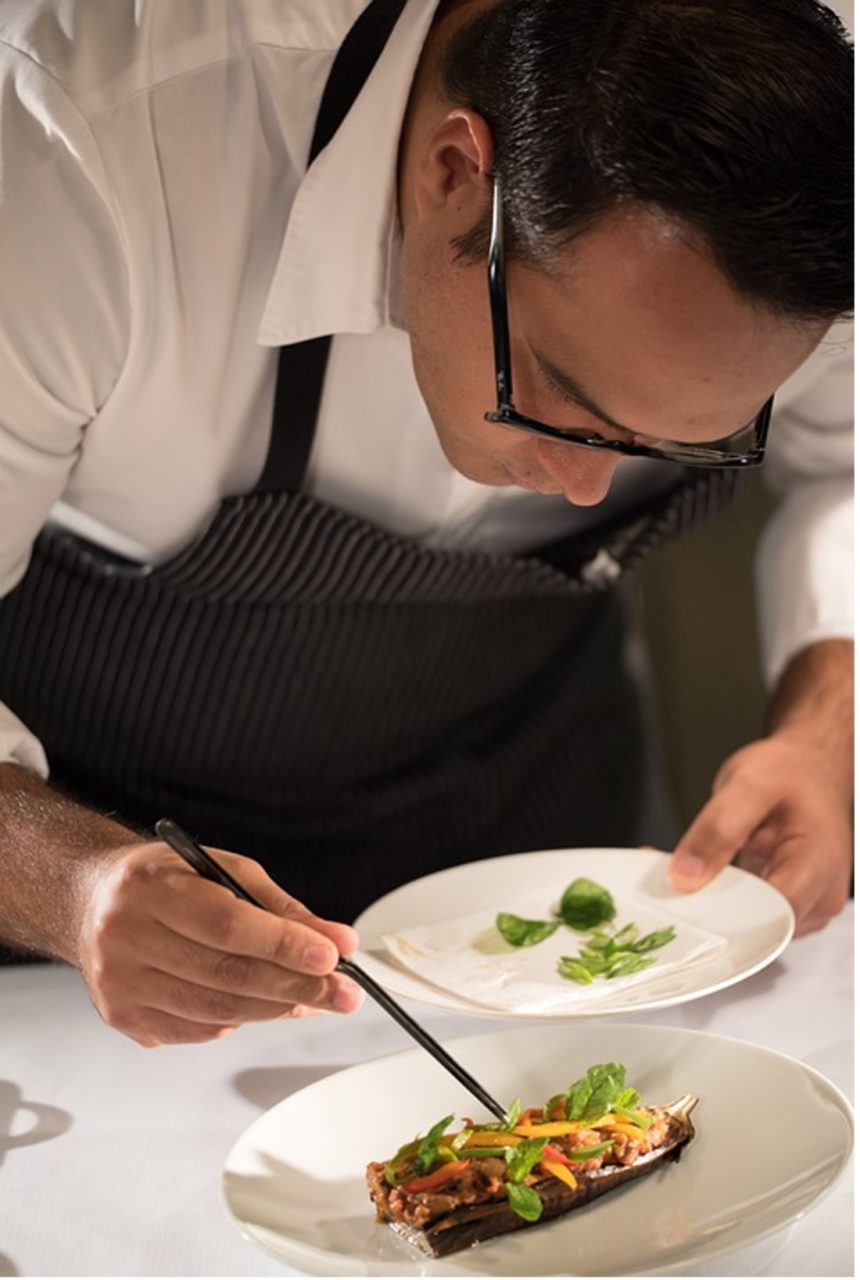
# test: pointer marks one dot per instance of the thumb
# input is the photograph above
(722, 828)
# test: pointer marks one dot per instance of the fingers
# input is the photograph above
(171, 957)
(256, 880)
(266, 990)
(812, 881)
(209, 914)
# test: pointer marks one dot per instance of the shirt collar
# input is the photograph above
(338, 270)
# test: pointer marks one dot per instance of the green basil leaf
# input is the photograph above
(584, 905)
(658, 938)
(523, 933)
(524, 1201)
(625, 965)
(427, 1153)
(607, 1081)
(570, 967)
(594, 964)
(551, 1105)
(626, 1100)
(523, 1158)
(594, 1094)
(485, 1153)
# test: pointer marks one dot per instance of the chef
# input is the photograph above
(350, 355)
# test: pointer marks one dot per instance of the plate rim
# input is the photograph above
(710, 1249)
(384, 972)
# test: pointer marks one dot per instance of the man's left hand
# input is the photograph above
(782, 805)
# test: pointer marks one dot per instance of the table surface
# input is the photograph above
(111, 1155)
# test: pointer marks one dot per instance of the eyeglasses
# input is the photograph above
(744, 448)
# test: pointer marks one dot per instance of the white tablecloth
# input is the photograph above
(111, 1155)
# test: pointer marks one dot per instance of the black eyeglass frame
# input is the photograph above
(506, 415)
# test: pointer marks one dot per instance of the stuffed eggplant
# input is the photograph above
(452, 1188)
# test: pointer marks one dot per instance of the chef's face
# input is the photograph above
(634, 325)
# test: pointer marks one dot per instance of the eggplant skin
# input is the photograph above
(472, 1224)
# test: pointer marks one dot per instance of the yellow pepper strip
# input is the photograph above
(491, 1139)
(560, 1171)
(560, 1128)
(550, 1129)
(629, 1131)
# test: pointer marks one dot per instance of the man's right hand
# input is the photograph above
(171, 958)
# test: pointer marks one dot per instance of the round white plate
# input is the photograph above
(755, 919)
(772, 1138)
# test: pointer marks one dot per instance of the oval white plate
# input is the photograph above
(756, 921)
(772, 1137)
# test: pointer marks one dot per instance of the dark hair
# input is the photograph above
(733, 116)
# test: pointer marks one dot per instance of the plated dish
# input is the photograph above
(446, 1191)
(750, 921)
(772, 1138)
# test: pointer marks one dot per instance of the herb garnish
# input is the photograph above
(599, 1091)
(586, 905)
(524, 1201)
(524, 933)
(614, 955)
(512, 1115)
(428, 1153)
(588, 908)
(523, 1158)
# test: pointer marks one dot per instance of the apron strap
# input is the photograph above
(302, 365)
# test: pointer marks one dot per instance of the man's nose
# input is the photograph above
(584, 474)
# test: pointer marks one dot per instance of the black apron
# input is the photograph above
(343, 704)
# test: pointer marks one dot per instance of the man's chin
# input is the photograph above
(476, 467)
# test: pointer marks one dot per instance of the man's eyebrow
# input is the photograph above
(569, 385)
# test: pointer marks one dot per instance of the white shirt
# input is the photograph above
(159, 239)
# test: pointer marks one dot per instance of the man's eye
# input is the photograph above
(559, 391)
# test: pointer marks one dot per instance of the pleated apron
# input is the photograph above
(347, 706)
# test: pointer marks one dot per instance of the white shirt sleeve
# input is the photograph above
(63, 316)
(804, 566)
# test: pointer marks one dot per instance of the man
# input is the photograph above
(328, 636)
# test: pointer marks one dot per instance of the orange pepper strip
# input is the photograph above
(558, 1170)
(437, 1177)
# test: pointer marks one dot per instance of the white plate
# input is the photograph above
(772, 1137)
(756, 921)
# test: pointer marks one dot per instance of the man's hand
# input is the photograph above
(171, 958)
(783, 805)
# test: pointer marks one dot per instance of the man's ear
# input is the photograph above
(457, 159)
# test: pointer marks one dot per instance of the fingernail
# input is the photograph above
(344, 999)
(352, 941)
(318, 959)
(687, 869)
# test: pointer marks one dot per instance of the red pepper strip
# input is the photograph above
(438, 1177)
(553, 1153)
